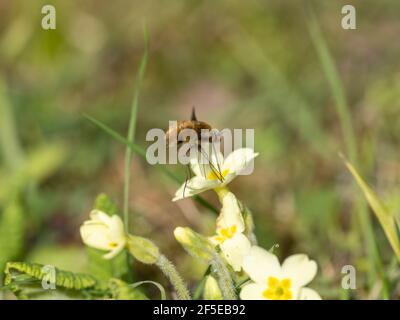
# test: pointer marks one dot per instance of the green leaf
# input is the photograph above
(105, 204)
(385, 217)
(120, 290)
(159, 286)
(12, 227)
(37, 165)
(25, 279)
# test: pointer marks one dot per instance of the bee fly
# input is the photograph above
(173, 138)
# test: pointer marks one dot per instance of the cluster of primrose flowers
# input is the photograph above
(238, 267)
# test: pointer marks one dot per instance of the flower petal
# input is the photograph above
(113, 253)
(116, 229)
(260, 264)
(300, 269)
(199, 169)
(238, 160)
(235, 249)
(206, 161)
(253, 291)
(309, 294)
(97, 215)
(230, 213)
(95, 235)
(194, 186)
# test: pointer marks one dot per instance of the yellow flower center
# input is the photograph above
(213, 175)
(113, 244)
(278, 289)
(225, 233)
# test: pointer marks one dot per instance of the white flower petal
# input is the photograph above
(238, 160)
(95, 235)
(97, 215)
(113, 253)
(116, 227)
(104, 232)
(260, 264)
(199, 169)
(194, 186)
(230, 213)
(300, 269)
(309, 294)
(235, 249)
(253, 291)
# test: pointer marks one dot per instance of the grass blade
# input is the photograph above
(329, 68)
(131, 132)
(336, 86)
(385, 218)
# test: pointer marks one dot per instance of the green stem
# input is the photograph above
(200, 287)
(173, 276)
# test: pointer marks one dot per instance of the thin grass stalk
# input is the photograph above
(131, 133)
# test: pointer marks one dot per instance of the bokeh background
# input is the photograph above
(248, 64)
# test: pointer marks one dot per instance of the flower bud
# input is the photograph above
(194, 243)
(143, 249)
(211, 289)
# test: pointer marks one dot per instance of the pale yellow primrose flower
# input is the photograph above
(104, 232)
(218, 174)
(275, 282)
(230, 227)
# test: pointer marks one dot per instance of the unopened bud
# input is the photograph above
(143, 249)
(194, 243)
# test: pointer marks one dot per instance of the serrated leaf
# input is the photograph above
(385, 217)
(25, 279)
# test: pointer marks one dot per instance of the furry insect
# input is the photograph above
(192, 124)
(173, 138)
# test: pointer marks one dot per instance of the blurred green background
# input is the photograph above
(248, 64)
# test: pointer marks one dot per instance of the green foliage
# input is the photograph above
(386, 218)
(105, 204)
(12, 228)
(120, 290)
(105, 269)
(25, 279)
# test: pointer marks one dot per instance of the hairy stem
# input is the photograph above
(173, 276)
(224, 279)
